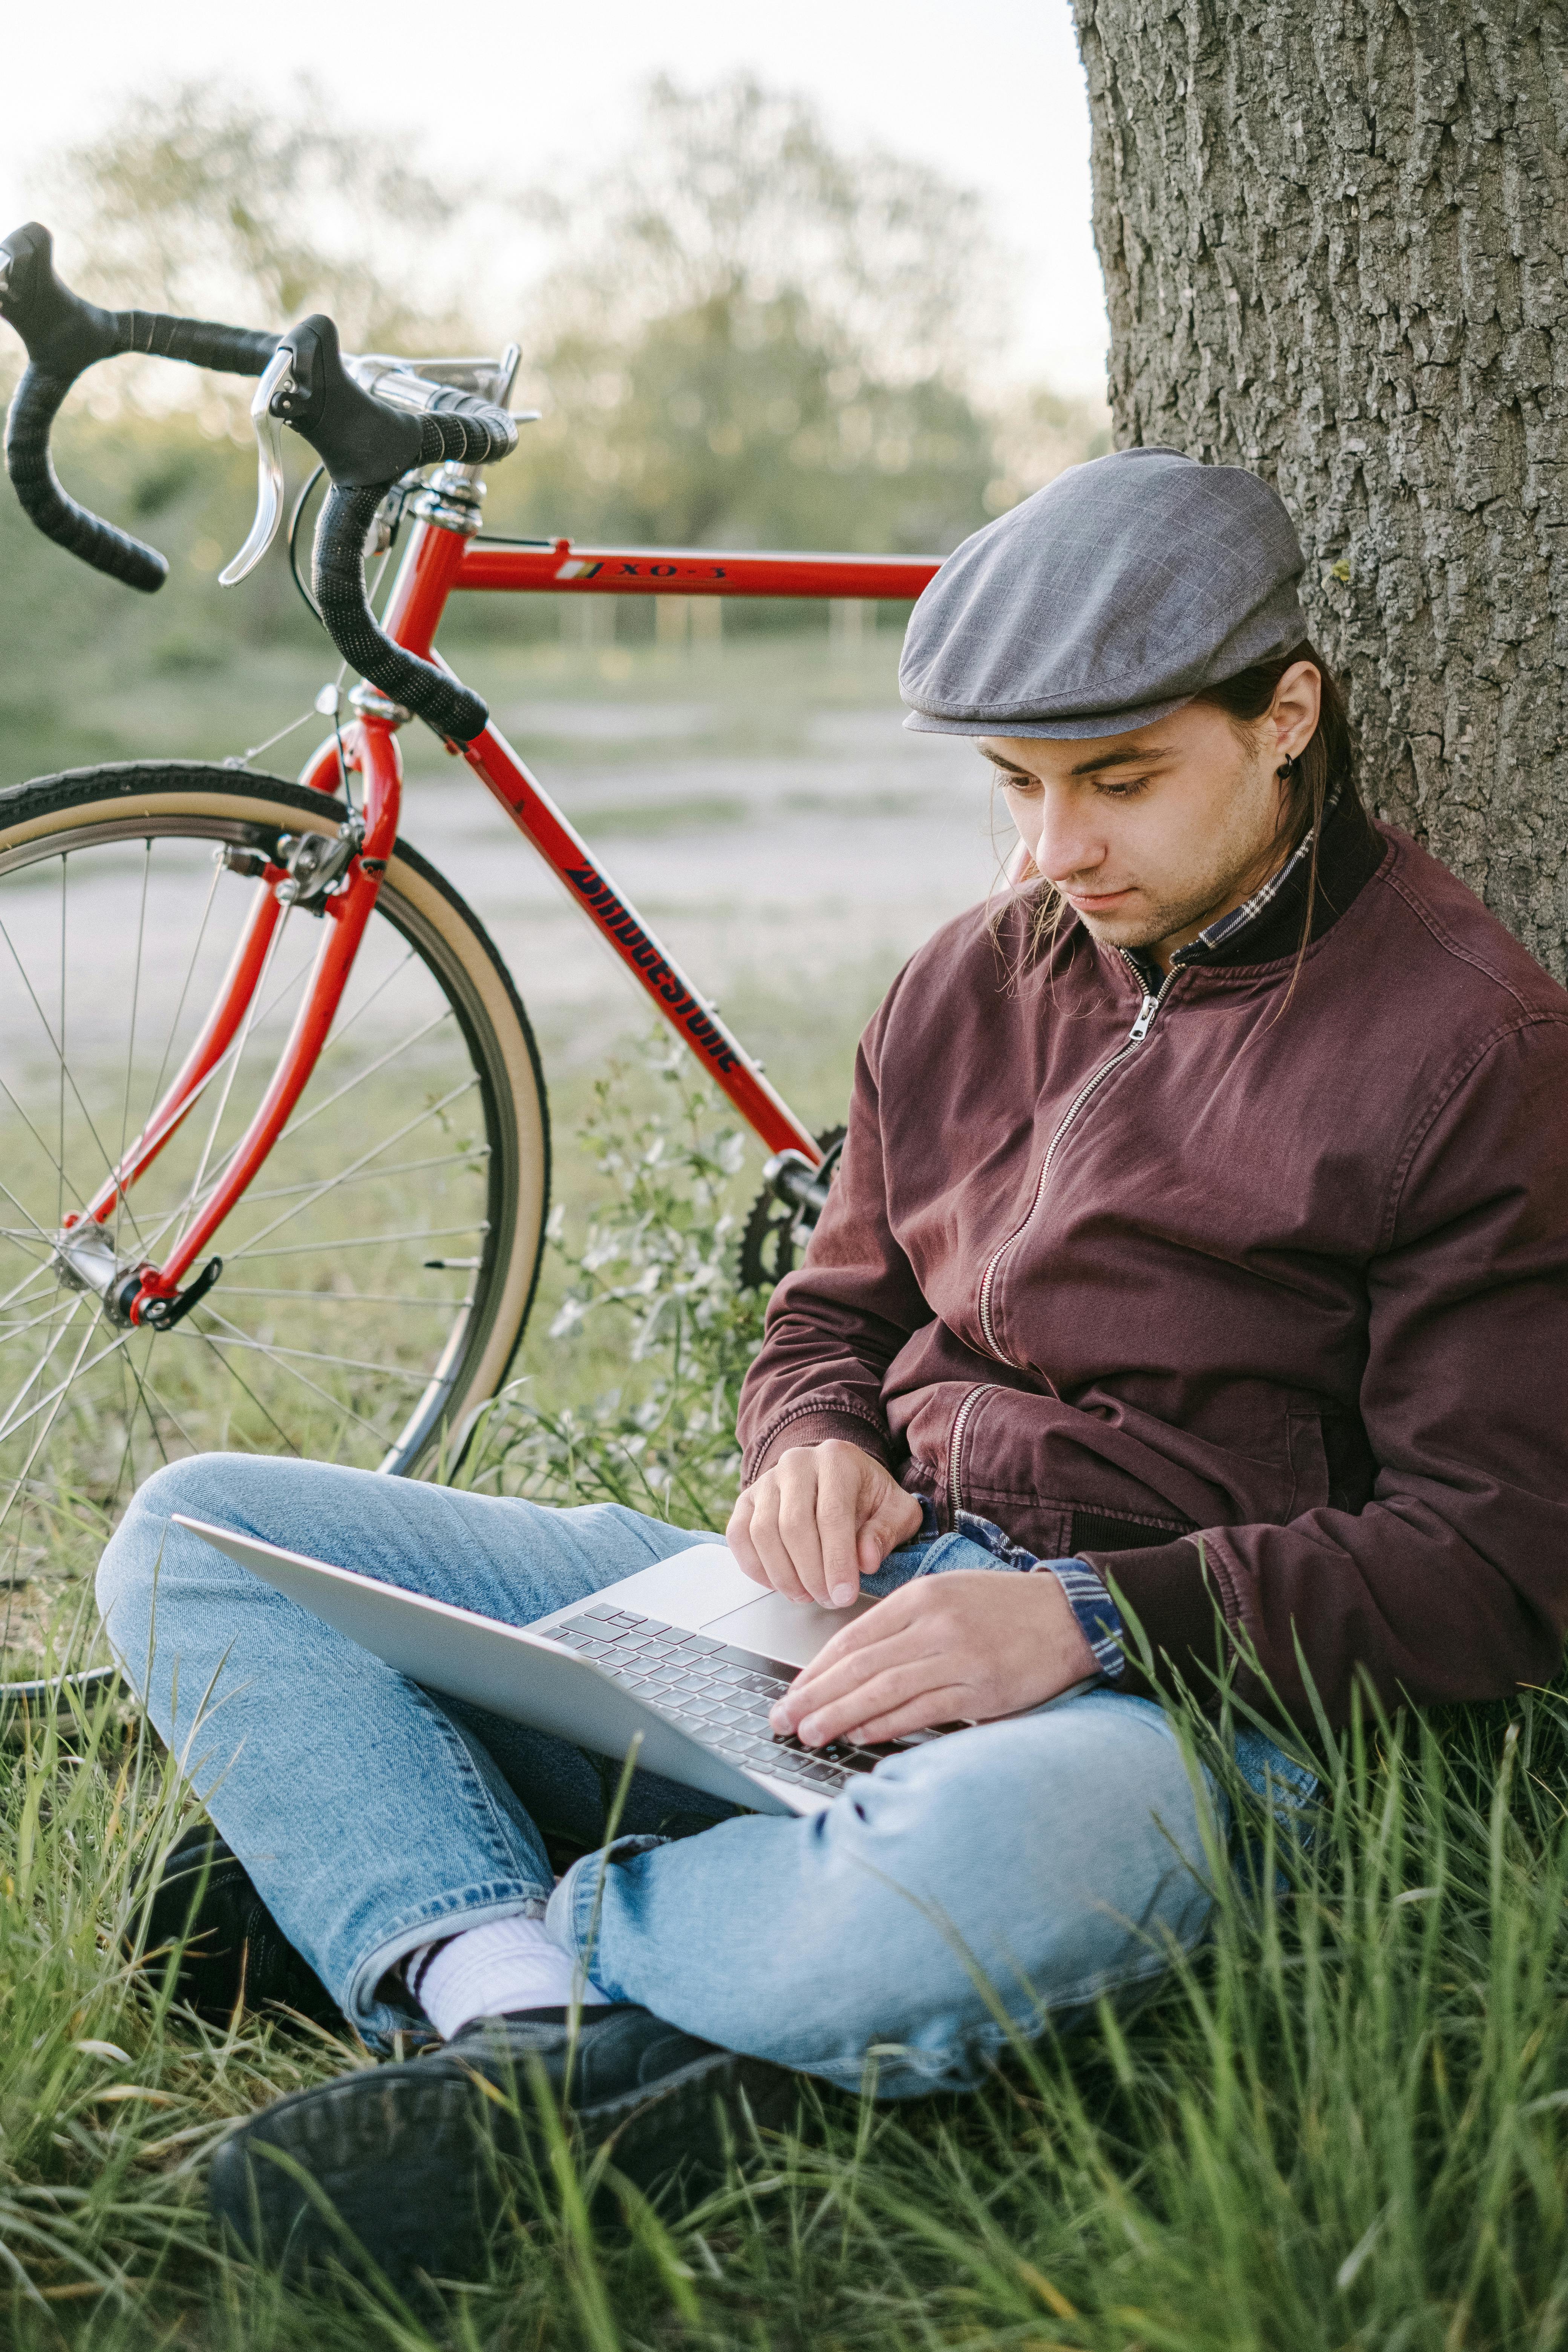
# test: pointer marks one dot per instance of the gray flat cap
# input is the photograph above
(1105, 602)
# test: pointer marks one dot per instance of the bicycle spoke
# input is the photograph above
(66, 1076)
(236, 1338)
(150, 1240)
(230, 1373)
(480, 1154)
(36, 1273)
(9, 1427)
(328, 1184)
(145, 1381)
(120, 1202)
(54, 1162)
(194, 956)
(361, 1241)
(41, 1367)
(127, 1363)
(37, 1233)
(341, 1297)
(10, 1331)
(144, 1384)
(216, 1340)
(373, 1069)
(200, 1177)
(53, 1397)
(341, 1031)
(217, 1173)
(39, 1442)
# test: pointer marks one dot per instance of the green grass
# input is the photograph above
(1343, 2122)
(134, 696)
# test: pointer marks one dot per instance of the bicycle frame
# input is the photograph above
(439, 560)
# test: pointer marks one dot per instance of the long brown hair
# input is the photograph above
(1327, 760)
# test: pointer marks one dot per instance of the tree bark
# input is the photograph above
(1333, 235)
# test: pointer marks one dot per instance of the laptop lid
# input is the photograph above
(512, 1670)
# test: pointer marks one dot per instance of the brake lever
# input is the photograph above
(269, 468)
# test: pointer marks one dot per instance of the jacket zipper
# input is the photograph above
(1135, 1036)
(955, 1442)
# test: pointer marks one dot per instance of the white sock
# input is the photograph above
(483, 1972)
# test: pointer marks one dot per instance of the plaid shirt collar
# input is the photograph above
(1221, 933)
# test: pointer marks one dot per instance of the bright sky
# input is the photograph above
(990, 91)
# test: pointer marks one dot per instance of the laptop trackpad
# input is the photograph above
(791, 1631)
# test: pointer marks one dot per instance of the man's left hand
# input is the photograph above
(964, 1647)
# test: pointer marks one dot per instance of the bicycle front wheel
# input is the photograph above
(377, 1276)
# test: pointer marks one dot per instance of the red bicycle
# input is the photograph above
(246, 1012)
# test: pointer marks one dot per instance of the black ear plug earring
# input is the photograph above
(1287, 771)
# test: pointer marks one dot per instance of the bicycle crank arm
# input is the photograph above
(790, 1177)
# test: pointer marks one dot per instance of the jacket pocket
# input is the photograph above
(1102, 1531)
(1309, 1458)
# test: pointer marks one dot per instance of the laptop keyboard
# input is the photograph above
(717, 1693)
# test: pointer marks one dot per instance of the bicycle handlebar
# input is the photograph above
(365, 445)
(63, 335)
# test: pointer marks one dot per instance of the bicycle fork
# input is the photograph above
(149, 1293)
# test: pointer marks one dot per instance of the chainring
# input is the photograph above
(775, 1234)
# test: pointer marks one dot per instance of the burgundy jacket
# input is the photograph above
(1288, 1271)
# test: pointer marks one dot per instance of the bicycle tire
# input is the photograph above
(422, 927)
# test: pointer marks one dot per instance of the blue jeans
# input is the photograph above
(1014, 1872)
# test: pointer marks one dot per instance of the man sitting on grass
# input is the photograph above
(1191, 1292)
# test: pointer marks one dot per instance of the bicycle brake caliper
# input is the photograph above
(318, 863)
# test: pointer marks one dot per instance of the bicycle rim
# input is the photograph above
(377, 1274)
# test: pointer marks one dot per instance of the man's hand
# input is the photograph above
(964, 1647)
(820, 1519)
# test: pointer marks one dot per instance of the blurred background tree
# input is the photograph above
(753, 337)
(738, 332)
(207, 205)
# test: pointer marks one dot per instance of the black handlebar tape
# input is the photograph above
(63, 336)
(470, 431)
(452, 709)
(33, 411)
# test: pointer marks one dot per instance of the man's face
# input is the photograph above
(1153, 835)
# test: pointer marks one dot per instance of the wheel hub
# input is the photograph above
(86, 1259)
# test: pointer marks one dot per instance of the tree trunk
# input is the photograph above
(1333, 235)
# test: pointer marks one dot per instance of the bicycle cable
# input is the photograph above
(295, 520)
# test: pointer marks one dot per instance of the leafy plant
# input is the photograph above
(654, 1273)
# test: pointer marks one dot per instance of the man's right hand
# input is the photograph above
(820, 1519)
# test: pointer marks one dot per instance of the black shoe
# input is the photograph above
(404, 2154)
(235, 1954)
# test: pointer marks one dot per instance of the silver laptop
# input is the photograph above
(681, 1661)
